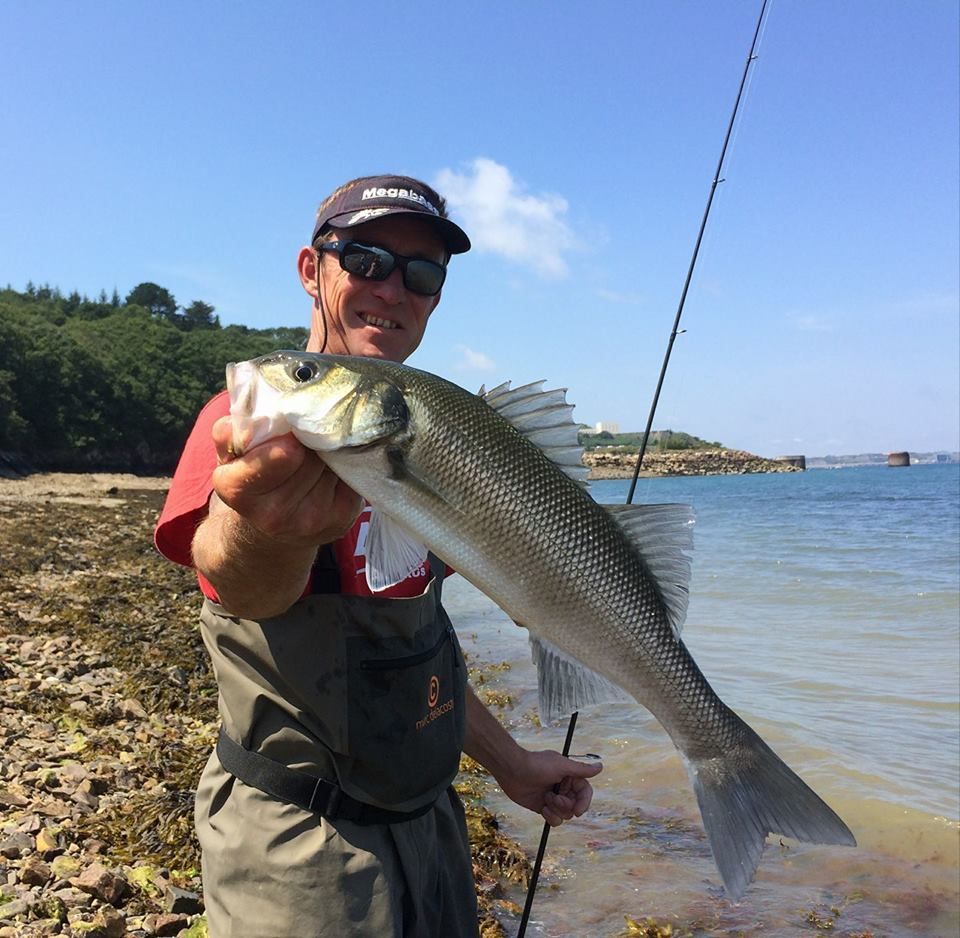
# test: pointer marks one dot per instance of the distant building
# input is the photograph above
(601, 427)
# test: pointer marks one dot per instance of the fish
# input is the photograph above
(494, 485)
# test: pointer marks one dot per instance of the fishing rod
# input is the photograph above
(674, 332)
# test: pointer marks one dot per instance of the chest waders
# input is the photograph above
(350, 710)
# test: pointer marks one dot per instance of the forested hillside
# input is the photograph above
(110, 383)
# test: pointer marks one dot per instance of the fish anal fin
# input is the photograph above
(566, 685)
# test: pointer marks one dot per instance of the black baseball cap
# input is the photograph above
(380, 196)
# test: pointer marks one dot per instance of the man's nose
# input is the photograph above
(391, 290)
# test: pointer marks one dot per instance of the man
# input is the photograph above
(327, 807)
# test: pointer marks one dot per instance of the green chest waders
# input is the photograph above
(326, 808)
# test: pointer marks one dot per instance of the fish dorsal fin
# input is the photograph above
(392, 553)
(544, 418)
(662, 534)
(566, 685)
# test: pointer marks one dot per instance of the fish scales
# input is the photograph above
(452, 471)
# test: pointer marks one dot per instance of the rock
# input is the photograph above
(102, 883)
(132, 709)
(107, 923)
(14, 846)
(143, 878)
(74, 898)
(34, 872)
(182, 900)
(17, 910)
(165, 923)
(51, 907)
(13, 799)
(47, 842)
(43, 927)
(64, 867)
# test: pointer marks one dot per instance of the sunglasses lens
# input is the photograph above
(369, 263)
(424, 277)
(373, 263)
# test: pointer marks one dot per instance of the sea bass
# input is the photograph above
(493, 484)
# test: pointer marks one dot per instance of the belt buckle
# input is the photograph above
(333, 799)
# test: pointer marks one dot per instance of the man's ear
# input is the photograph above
(307, 264)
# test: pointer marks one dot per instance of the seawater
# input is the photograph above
(825, 609)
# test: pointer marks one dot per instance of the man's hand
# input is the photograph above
(526, 777)
(272, 507)
(283, 490)
(531, 781)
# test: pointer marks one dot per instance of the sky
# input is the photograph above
(188, 144)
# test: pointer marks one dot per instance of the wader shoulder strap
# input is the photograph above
(439, 570)
(312, 794)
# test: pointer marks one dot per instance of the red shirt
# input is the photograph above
(186, 507)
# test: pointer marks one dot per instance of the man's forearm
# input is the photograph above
(488, 742)
(255, 576)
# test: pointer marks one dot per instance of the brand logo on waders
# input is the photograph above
(433, 695)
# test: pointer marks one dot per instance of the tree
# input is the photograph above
(156, 299)
(199, 315)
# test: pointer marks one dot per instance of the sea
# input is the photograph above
(825, 609)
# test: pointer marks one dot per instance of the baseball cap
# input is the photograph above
(381, 196)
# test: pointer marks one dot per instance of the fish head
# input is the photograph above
(329, 402)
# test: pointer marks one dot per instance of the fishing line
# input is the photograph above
(674, 332)
(717, 179)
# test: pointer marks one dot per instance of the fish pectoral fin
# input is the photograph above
(392, 553)
(566, 685)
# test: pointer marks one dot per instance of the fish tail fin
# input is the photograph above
(749, 793)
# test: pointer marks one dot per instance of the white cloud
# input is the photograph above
(502, 218)
(471, 360)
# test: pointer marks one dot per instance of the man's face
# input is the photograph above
(377, 318)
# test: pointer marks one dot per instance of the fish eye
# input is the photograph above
(304, 371)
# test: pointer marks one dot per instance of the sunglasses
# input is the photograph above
(373, 263)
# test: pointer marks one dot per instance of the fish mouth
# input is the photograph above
(249, 427)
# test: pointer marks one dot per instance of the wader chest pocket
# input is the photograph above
(405, 713)
(407, 661)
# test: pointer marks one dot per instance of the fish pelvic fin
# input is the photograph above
(752, 792)
(545, 419)
(566, 685)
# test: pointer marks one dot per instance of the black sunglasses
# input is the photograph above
(373, 263)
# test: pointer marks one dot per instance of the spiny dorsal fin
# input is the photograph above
(544, 418)
(662, 534)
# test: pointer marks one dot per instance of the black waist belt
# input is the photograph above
(312, 794)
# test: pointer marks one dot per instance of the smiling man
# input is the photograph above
(327, 807)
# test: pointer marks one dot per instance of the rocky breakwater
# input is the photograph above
(617, 464)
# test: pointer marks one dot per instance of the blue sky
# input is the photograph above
(189, 144)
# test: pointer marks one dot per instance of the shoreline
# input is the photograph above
(108, 716)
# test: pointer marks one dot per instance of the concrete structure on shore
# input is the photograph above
(898, 459)
(799, 461)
